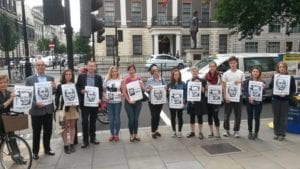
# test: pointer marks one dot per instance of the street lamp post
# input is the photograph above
(28, 71)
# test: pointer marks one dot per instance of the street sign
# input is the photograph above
(289, 57)
(51, 45)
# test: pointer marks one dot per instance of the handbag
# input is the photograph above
(145, 98)
(59, 123)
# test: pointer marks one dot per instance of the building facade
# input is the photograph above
(147, 27)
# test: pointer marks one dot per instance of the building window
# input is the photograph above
(274, 27)
(110, 45)
(296, 28)
(186, 14)
(137, 44)
(136, 13)
(205, 13)
(161, 14)
(251, 47)
(205, 43)
(273, 47)
(223, 44)
(186, 41)
(289, 46)
(109, 12)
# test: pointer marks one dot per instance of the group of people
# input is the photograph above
(113, 89)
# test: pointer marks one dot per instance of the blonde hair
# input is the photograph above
(3, 77)
(194, 68)
(109, 73)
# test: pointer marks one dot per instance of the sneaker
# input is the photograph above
(226, 134)
(280, 138)
(111, 138)
(275, 137)
(211, 135)
(254, 136)
(250, 136)
(174, 134)
(157, 134)
(191, 134)
(236, 134)
(117, 138)
(201, 136)
(179, 135)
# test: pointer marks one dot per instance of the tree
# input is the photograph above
(9, 37)
(62, 49)
(43, 44)
(81, 45)
(249, 16)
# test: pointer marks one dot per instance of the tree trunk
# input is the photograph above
(8, 63)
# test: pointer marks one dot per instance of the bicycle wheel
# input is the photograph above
(15, 153)
(102, 116)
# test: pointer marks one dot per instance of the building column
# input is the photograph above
(174, 9)
(149, 13)
(178, 44)
(156, 50)
(123, 13)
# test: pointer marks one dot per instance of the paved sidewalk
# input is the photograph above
(178, 153)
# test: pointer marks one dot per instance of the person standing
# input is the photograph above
(254, 107)
(71, 112)
(237, 77)
(213, 77)
(112, 87)
(197, 108)
(89, 114)
(177, 83)
(280, 103)
(132, 108)
(41, 115)
(155, 109)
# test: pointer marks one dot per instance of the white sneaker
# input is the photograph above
(226, 134)
(174, 134)
(236, 134)
(179, 135)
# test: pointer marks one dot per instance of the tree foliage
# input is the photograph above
(249, 16)
(9, 36)
(43, 44)
(81, 45)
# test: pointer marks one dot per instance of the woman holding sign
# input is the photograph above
(112, 94)
(132, 88)
(284, 87)
(177, 98)
(196, 105)
(62, 97)
(213, 79)
(155, 86)
(253, 91)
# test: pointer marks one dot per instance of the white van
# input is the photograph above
(267, 62)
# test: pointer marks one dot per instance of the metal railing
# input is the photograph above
(165, 21)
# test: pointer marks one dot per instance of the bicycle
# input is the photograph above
(15, 152)
(102, 115)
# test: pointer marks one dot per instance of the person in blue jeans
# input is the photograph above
(113, 95)
(132, 108)
(254, 106)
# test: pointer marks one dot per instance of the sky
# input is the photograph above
(75, 11)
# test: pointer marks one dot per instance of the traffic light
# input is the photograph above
(100, 37)
(89, 22)
(53, 12)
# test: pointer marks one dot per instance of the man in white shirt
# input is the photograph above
(236, 76)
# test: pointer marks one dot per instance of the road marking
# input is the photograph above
(163, 115)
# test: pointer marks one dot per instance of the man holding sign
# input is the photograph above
(42, 109)
(89, 111)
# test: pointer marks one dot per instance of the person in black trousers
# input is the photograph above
(155, 109)
(89, 114)
(41, 115)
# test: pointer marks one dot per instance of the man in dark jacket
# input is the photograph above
(89, 114)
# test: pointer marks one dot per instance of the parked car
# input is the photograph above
(164, 60)
(267, 62)
(47, 60)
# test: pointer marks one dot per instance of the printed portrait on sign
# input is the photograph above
(70, 94)
(158, 94)
(176, 98)
(215, 94)
(255, 91)
(43, 93)
(25, 97)
(131, 91)
(194, 91)
(232, 91)
(280, 84)
(91, 96)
